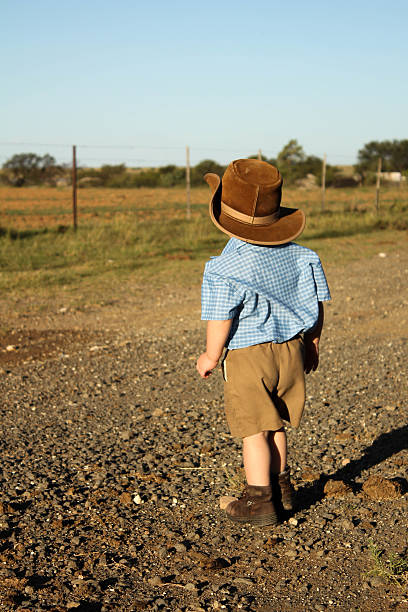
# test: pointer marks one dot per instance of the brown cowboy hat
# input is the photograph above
(245, 204)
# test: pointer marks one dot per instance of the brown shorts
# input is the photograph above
(264, 385)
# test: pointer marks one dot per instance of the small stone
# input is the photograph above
(243, 581)
(378, 487)
(292, 521)
(190, 586)
(376, 581)
(180, 548)
(345, 462)
(155, 581)
(336, 488)
(126, 498)
(160, 602)
(309, 475)
(137, 499)
(292, 554)
(347, 524)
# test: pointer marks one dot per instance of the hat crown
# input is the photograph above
(245, 203)
(256, 172)
(252, 187)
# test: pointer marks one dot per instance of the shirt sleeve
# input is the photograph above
(322, 288)
(219, 300)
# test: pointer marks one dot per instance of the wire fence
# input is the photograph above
(44, 207)
(144, 155)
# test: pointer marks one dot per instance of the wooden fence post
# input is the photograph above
(377, 186)
(324, 181)
(74, 188)
(260, 154)
(188, 186)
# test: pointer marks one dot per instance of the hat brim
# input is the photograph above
(289, 226)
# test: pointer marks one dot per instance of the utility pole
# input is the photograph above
(74, 188)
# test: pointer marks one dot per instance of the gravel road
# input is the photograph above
(115, 454)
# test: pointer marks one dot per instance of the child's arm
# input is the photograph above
(217, 334)
(312, 338)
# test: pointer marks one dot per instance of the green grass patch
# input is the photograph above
(391, 568)
(175, 249)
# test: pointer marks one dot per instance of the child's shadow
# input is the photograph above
(382, 448)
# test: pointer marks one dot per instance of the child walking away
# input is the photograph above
(262, 300)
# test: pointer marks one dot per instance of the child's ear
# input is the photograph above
(213, 180)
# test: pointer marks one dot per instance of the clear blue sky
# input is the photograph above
(226, 78)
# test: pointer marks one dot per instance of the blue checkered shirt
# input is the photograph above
(270, 292)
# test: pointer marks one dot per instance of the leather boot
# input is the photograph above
(254, 506)
(282, 488)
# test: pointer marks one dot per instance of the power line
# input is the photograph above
(149, 147)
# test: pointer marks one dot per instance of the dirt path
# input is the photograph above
(114, 455)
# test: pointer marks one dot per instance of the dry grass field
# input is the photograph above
(47, 207)
(41, 207)
(143, 235)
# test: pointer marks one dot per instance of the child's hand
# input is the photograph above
(311, 354)
(205, 365)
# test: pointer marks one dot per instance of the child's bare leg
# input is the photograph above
(281, 486)
(278, 450)
(257, 459)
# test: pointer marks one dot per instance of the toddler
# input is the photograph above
(262, 300)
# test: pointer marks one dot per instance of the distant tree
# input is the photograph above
(291, 154)
(146, 178)
(169, 169)
(290, 160)
(112, 174)
(294, 165)
(394, 155)
(171, 175)
(207, 165)
(30, 168)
